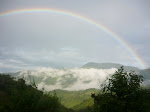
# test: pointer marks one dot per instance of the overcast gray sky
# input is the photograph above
(41, 39)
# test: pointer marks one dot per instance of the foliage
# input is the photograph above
(84, 106)
(122, 93)
(73, 99)
(16, 96)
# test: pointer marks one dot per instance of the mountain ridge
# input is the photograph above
(90, 75)
(109, 65)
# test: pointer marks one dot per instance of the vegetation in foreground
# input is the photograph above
(16, 96)
(121, 93)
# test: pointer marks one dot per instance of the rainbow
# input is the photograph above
(101, 27)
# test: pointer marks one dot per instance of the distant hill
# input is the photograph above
(91, 75)
(73, 99)
(145, 73)
(109, 66)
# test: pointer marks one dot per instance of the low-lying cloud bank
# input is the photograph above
(67, 79)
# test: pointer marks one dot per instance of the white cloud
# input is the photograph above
(85, 78)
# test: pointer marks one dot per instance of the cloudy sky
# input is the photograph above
(41, 39)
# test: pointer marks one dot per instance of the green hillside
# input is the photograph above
(71, 99)
(84, 106)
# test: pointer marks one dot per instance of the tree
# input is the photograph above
(17, 96)
(121, 93)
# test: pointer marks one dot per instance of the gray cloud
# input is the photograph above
(41, 39)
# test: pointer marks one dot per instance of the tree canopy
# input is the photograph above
(121, 93)
(16, 96)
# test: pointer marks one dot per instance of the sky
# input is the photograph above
(40, 39)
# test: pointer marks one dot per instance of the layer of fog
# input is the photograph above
(85, 78)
